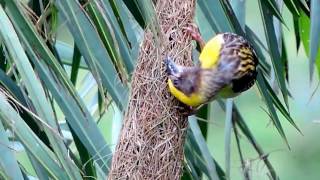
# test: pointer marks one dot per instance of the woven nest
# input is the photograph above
(152, 138)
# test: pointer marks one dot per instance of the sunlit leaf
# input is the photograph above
(196, 161)
(239, 8)
(278, 104)
(203, 147)
(227, 140)
(292, 5)
(147, 10)
(84, 126)
(273, 7)
(23, 24)
(304, 31)
(8, 162)
(121, 29)
(272, 111)
(30, 141)
(278, 66)
(238, 119)
(244, 165)
(38, 167)
(136, 12)
(92, 49)
(215, 14)
(36, 92)
(314, 36)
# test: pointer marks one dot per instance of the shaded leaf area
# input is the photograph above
(62, 91)
(195, 164)
(239, 121)
(36, 94)
(9, 164)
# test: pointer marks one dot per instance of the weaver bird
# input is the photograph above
(228, 66)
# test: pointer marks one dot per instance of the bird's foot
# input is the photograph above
(193, 30)
(187, 110)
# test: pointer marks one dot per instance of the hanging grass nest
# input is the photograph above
(154, 130)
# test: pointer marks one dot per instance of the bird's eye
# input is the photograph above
(175, 82)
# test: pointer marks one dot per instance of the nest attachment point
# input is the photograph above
(152, 137)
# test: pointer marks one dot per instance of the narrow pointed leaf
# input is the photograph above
(273, 7)
(30, 141)
(228, 131)
(215, 14)
(292, 6)
(15, 91)
(8, 162)
(314, 35)
(305, 7)
(117, 10)
(278, 104)
(75, 65)
(191, 161)
(232, 18)
(244, 165)
(203, 147)
(136, 12)
(203, 114)
(38, 168)
(304, 30)
(24, 26)
(272, 111)
(66, 54)
(92, 49)
(120, 35)
(131, 26)
(236, 117)
(296, 32)
(249, 32)
(284, 59)
(197, 160)
(147, 9)
(278, 66)
(36, 92)
(11, 86)
(107, 34)
(239, 8)
(84, 126)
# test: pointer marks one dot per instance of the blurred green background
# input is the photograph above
(303, 160)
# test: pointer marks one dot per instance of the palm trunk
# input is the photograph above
(153, 135)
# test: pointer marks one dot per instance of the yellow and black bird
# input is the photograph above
(228, 66)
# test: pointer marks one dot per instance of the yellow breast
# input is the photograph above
(211, 52)
(193, 100)
(208, 59)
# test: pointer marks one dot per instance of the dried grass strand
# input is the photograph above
(153, 135)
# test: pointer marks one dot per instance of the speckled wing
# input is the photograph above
(232, 71)
(238, 58)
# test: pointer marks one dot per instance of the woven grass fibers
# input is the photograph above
(152, 138)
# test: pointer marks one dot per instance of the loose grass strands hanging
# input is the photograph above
(153, 135)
